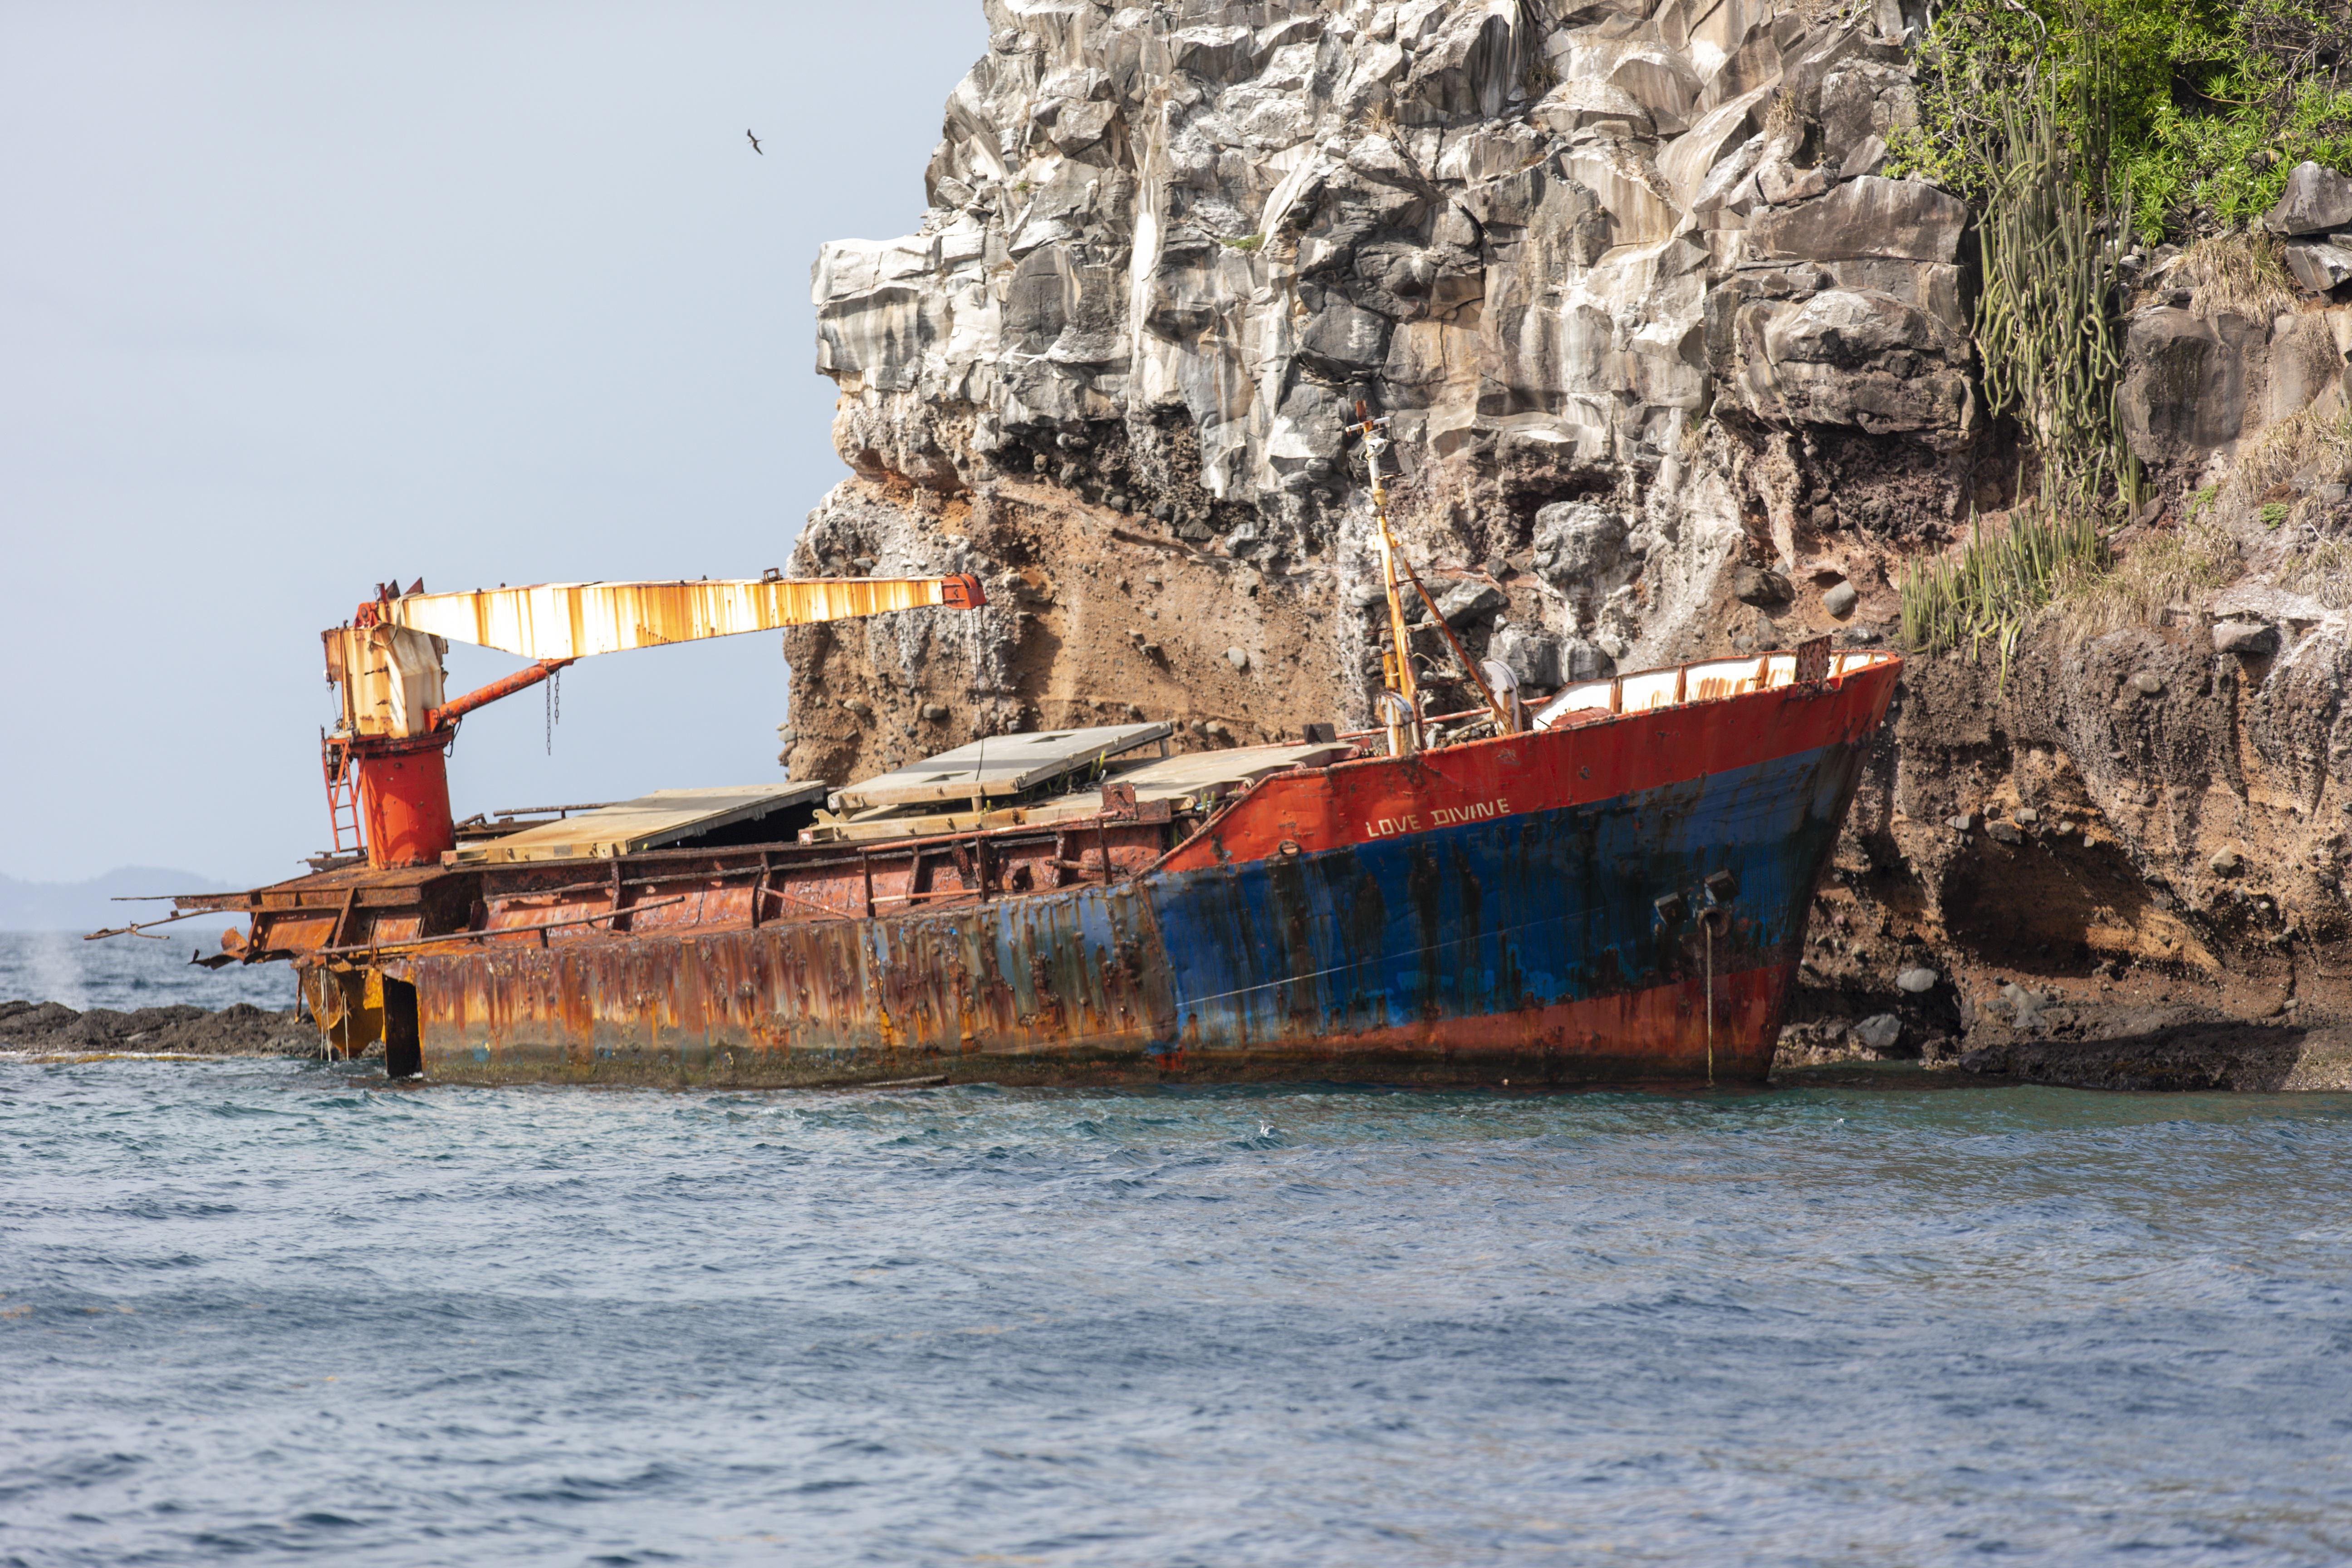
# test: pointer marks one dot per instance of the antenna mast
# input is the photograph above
(1403, 716)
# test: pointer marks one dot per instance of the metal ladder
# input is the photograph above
(343, 799)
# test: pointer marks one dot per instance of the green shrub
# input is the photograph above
(2205, 106)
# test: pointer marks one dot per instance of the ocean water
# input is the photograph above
(256, 1311)
(124, 973)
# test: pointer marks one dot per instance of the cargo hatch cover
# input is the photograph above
(648, 822)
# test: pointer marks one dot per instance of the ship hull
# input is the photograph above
(1482, 913)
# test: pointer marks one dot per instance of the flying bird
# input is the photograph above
(754, 141)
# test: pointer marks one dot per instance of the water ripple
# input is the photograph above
(269, 1309)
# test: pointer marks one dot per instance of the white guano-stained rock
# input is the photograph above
(1634, 260)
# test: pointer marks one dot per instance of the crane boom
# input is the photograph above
(573, 620)
(384, 760)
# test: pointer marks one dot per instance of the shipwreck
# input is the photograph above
(1608, 885)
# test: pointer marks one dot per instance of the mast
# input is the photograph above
(1403, 716)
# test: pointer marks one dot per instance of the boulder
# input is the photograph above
(1851, 357)
(2316, 199)
(1850, 328)
(1580, 658)
(1760, 586)
(2251, 638)
(1528, 652)
(1918, 980)
(1576, 542)
(1840, 599)
(2183, 388)
(1238, 657)
(2319, 266)
(1878, 1033)
(1469, 599)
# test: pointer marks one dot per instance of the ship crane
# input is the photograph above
(386, 760)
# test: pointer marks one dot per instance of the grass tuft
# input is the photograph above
(2315, 441)
(2159, 569)
(2324, 570)
(2000, 580)
(2244, 272)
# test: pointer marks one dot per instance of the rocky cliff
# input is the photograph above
(1672, 365)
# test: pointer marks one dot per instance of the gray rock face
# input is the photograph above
(1581, 660)
(1468, 600)
(2316, 199)
(1576, 543)
(2183, 387)
(1167, 250)
(1865, 217)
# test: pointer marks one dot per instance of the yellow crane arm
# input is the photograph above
(572, 620)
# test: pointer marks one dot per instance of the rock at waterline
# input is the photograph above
(1879, 1031)
(2024, 1006)
(241, 1029)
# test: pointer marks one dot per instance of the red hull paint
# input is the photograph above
(1635, 1035)
(1384, 797)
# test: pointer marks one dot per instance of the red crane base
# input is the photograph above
(405, 798)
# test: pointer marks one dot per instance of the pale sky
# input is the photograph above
(297, 296)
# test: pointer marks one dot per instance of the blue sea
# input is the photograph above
(264, 1311)
(127, 973)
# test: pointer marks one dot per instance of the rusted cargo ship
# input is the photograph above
(1613, 888)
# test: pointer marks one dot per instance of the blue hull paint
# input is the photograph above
(1536, 911)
